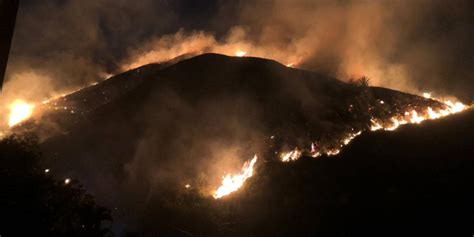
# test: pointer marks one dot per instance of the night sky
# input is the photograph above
(416, 46)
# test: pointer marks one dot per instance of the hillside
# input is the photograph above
(202, 109)
(136, 139)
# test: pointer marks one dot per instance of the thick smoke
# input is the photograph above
(64, 45)
(407, 45)
(412, 46)
(415, 47)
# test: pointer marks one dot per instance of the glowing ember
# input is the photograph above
(291, 156)
(333, 152)
(395, 124)
(240, 53)
(375, 125)
(351, 137)
(19, 111)
(314, 150)
(455, 107)
(432, 114)
(415, 118)
(67, 181)
(427, 95)
(231, 183)
(411, 116)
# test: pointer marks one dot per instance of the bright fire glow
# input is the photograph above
(350, 137)
(19, 111)
(291, 156)
(231, 183)
(416, 117)
(410, 116)
(333, 152)
(315, 150)
(375, 125)
(240, 53)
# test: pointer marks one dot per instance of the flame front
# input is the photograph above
(416, 117)
(19, 111)
(410, 116)
(231, 183)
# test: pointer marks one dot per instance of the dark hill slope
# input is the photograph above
(415, 181)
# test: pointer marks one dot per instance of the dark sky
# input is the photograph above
(408, 45)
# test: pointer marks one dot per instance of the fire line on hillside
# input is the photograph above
(21, 111)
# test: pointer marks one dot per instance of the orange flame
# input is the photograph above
(240, 53)
(416, 117)
(411, 116)
(291, 156)
(231, 183)
(19, 111)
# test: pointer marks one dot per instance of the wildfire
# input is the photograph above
(350, 137)
(19, 111)
(240, 53)
(291, 156)
(231, 183)
(333, 152)
(410, 116)
(416, 117)
(375, 125)
(314, 150)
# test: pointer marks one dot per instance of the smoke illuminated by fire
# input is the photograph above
(231, 183)
(19, 111)
(235, 43)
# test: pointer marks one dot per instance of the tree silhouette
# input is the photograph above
(33, 202)
(363, 81)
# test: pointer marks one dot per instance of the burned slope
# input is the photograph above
(416, 180)
(191, 122)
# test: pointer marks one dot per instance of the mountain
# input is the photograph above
(137, 138)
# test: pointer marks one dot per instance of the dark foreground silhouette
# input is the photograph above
(32, 203)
